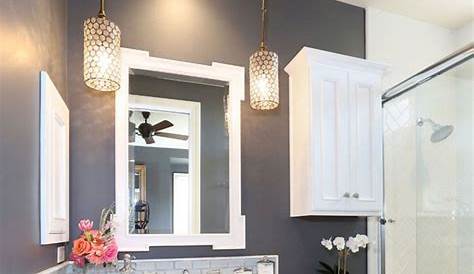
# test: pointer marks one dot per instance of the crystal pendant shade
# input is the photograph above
(263, 72)
(101, 54)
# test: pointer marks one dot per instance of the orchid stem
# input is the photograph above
(339, 263)
(346, 253)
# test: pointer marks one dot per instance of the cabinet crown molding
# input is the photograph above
(309, 55)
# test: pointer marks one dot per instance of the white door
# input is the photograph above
(366, 143)
(182, 193)
(330, 124)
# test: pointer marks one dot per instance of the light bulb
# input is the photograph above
(101, 54)
(262, 85)
(104, 61)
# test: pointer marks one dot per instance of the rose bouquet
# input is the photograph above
(344, 250)
(96, 246)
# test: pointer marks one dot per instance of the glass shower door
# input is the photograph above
(428, 162)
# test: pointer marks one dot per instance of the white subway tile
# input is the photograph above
(164, 265)
(201, 264)
(219, 263)
(145, 266)
(183, 265)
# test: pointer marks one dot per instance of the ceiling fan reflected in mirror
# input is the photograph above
(147, 130)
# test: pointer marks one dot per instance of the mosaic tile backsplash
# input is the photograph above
(222, 265)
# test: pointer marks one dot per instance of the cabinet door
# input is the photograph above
(54, 164)
(330, 132)
(366, 143)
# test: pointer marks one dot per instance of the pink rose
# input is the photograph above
(110, 252)
(81, 247)
(85, 225)
(78, 260)
(96, 254)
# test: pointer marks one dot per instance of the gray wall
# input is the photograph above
(159, 188)
(225, 31)
(32, 38)
(214, 143)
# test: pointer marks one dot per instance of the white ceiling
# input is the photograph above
(447, 13)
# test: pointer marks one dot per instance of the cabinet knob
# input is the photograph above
(355, 195)
(384, 221)
(346, 195)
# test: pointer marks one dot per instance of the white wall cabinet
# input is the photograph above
(336, 163)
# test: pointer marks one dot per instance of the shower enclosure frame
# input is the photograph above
(429, 73)
(376, 225)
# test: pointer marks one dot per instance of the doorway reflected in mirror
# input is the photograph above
(178, 155)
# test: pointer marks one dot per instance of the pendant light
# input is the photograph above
(263, 70)
(101, 52)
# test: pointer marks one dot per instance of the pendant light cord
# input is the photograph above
(102, 9)
(263, 25)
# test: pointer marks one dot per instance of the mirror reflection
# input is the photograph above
(178, 155)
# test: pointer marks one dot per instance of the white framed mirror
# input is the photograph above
(177, 154)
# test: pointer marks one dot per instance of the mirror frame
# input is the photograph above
(235, 77)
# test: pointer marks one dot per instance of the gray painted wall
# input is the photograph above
(33, 38)
(214, 143)
(159, 188)
(225, 31)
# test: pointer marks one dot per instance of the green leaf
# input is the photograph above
(325, 265)
(326, 268)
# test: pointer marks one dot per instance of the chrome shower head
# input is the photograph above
(440, 132)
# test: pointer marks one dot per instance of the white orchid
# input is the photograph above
(353, 245)
(363, 240)
(327, 243)
(345, 249)
(340, 243)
